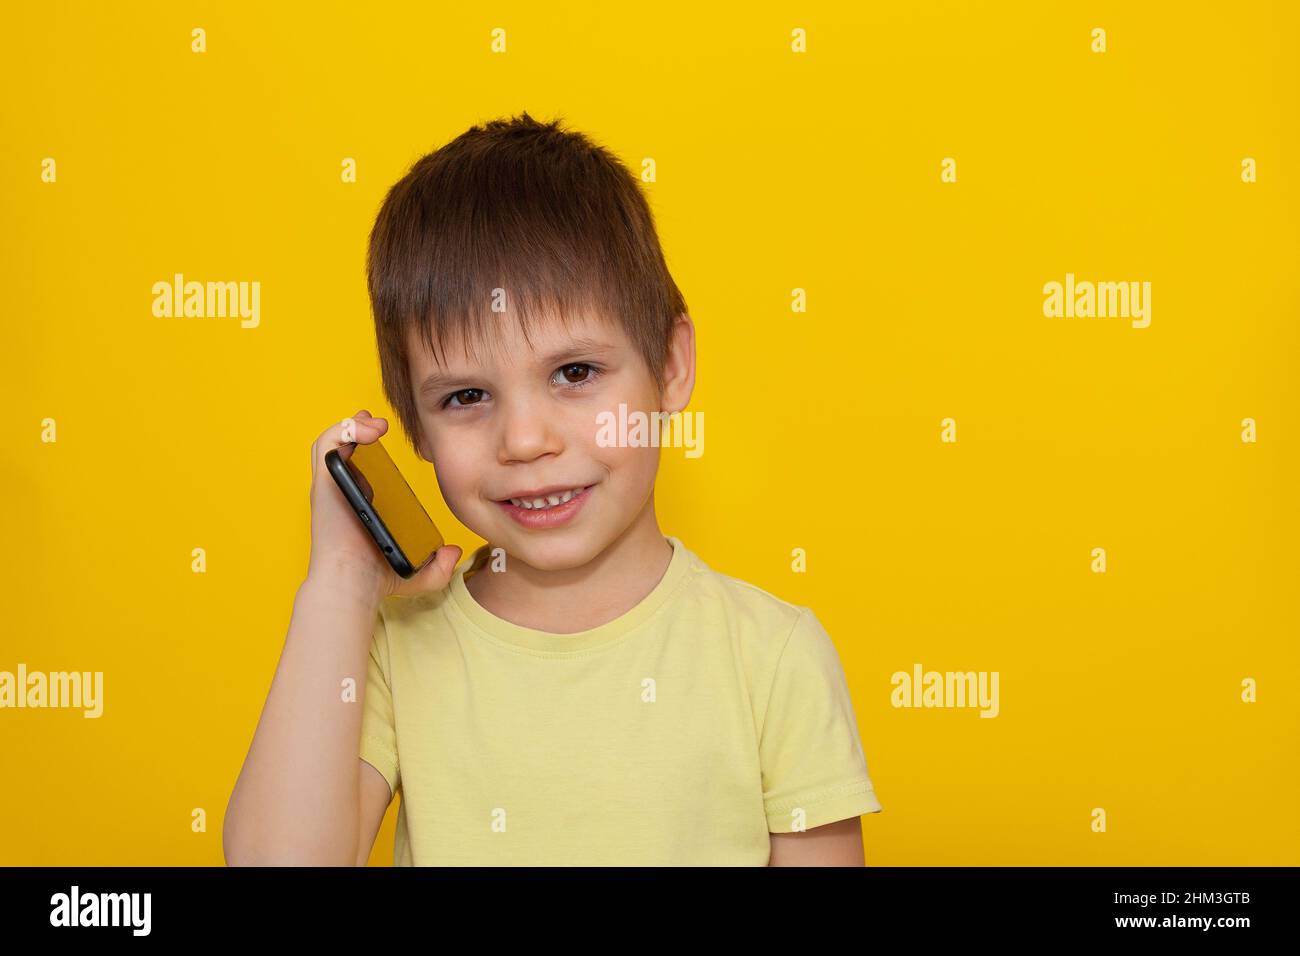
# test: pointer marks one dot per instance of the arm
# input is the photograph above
(811, 756)
(835, 844)
(304, 796)
(298, 797)
(375, 798)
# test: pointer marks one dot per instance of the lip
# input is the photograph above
(549, 517)
(538, 492)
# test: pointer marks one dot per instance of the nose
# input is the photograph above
(528, 430)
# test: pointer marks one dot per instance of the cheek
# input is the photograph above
(634, 469)
(457, 465)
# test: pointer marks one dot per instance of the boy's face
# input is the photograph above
(515, 420)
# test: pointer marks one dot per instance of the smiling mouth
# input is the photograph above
(546, 502)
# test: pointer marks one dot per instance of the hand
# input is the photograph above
(341, 548)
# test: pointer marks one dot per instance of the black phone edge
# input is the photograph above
(367, 515)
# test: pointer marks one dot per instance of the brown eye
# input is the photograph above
(578, 374)
(475, 394)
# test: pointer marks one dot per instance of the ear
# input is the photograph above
(679, 366)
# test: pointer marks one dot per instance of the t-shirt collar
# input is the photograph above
(549, 644)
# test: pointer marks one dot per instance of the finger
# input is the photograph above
(363, 433)
(342, 436)
(370, 429)
(435, 575)
(365, 415)
(353, 430)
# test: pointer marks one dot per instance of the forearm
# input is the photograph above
(296, 801)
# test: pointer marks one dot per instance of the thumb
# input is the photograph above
(435, 575)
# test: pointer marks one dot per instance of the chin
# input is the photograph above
(548, 551)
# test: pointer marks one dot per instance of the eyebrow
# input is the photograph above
(581, 346)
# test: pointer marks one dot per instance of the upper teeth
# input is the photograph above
(550, 501)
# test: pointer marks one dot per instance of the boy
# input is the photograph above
(585, 690)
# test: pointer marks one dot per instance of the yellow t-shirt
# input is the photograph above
(681, 733)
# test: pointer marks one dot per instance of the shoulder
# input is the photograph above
(782, 649)
(398, 610)
(402, 618)
(758, 618)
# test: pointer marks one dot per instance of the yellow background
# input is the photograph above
(775, 171)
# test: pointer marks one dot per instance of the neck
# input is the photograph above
(578, 599)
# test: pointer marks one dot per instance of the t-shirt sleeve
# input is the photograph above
(378, 732)
(814, 768)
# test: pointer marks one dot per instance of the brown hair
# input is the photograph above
(541, 212)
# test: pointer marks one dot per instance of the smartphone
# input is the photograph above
(386, 506)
